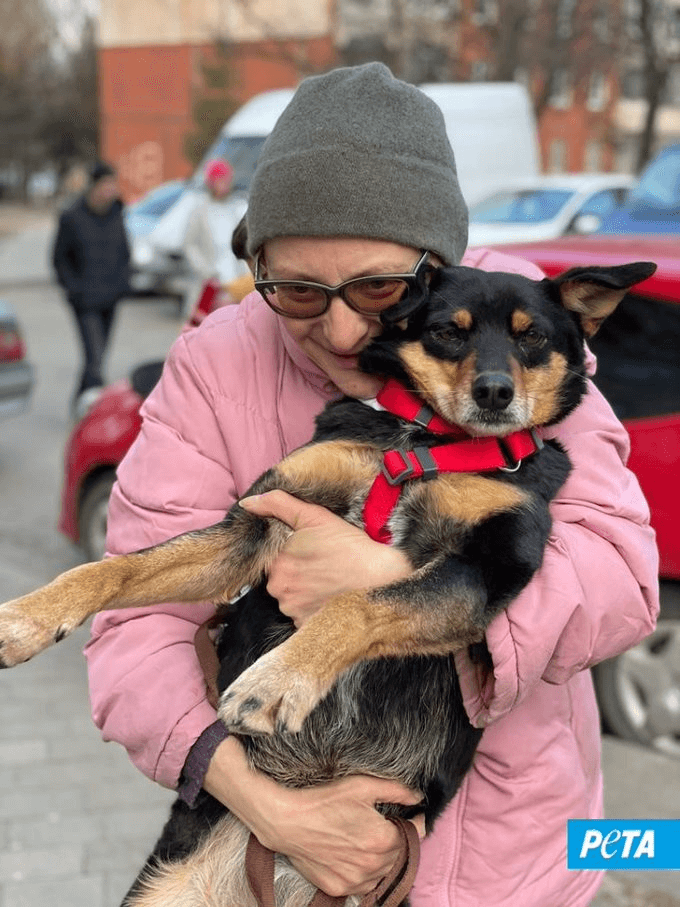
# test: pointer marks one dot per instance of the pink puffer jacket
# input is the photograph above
(237, 395)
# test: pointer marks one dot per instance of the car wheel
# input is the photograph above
(92, 519)
(639, 692)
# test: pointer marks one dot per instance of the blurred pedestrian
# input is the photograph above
(91, 257)
(207, 242)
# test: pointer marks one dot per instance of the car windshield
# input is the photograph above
(659, 185)
(158, 201)
(242, 153)
(521, 206)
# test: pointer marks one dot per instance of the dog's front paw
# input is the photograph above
(22, 636)
(269, 697)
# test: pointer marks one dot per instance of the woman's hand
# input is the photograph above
(324, 556)
(332, 833)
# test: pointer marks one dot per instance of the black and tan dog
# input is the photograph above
(453, 472)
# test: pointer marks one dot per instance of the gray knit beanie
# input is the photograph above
(359, 153)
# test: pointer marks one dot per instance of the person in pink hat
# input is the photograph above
(207, 242)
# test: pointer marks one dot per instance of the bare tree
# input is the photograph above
(48, 93)
(415, 38)
(550, 42)
(650, 39)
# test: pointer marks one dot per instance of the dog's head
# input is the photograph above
(494, 353)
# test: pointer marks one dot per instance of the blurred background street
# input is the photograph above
(76, 819)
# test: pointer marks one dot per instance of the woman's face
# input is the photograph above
(334, 340)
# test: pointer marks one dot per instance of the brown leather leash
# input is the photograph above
(391, 891)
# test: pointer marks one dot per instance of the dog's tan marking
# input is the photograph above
(543, 386)
(207, 565)
(444, 385)
(462, 318)
(214, 875)
(520, 322)
(334, 464)
(471, 498)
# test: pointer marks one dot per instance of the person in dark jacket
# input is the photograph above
(91, 257)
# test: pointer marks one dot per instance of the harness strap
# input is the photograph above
(390, 892)
(462, 453)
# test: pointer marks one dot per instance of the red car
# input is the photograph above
(638, 352)
(100, 440)
(638, 370)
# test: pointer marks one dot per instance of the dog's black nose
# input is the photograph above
(493, 390)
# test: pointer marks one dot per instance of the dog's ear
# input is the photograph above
(594, 292)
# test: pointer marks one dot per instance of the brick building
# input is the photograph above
(150, 59)
(152, 54)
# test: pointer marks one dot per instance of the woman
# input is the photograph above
(357, 180)
(209, 230)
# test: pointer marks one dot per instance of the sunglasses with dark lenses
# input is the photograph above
(367, 295)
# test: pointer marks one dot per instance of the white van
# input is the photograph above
(490, 125)
(492, 130)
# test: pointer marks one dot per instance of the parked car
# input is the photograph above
(546, 207)
(143, 215)
(653, 205)
(16, 373)
(639, 372)
(140, 219)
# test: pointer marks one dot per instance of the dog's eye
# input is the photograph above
(532, 339)
(448, 333)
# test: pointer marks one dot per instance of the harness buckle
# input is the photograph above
(423, 458)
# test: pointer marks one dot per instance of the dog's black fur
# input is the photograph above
(492, 353)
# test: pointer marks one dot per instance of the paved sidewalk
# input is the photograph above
(15, 217)
(22, 263)
(76, 819)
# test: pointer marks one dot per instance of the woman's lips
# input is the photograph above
(343, 360)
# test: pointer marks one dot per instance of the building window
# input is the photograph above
(485, 12)
(601, 29)
(479, 71)
(632, 84)
(557, 156)
(561, 94)
(598, 92)
(565, 18)
(673, 86)
(592, 158)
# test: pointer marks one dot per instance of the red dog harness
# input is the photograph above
(461, 453)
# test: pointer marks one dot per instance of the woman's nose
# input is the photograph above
(345, 328)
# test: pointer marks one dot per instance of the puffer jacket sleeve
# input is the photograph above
(596, 593)
(175, 478)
